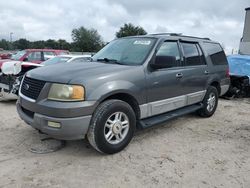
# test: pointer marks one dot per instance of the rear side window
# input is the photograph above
(216, 53)
(193, 55)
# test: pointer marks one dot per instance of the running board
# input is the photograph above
(162, 118)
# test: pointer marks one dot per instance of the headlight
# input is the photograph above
(62, 92)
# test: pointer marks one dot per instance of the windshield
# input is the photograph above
(127, 51)
(56, 60)
(18, 55)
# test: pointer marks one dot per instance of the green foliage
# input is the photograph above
(84, 40)
(40, 44)
(4, 44)
(87, 40)
(130, 30)
(21, 44)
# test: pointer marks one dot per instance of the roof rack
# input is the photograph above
(180, 34)
(171, 34)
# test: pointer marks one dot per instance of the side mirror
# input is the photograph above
(25, 59)
(164, 62)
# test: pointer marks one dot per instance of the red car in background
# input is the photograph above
(34, 55)
(5, 56)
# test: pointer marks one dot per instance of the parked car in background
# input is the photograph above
(5, 56)
(67, 59)
(133, 82)
(34, 55)
(12, 72)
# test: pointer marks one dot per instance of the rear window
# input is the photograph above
(193, 56)
(216, 53)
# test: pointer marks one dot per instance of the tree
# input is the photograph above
(52, 44)
(130, 30)
(87, 40)
(63, 44)
(4, 44)
(21, 44)
(40, 44)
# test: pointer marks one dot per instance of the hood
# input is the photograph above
(75, 73)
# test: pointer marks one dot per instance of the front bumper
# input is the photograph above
(70, 128)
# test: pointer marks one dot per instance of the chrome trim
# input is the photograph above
(144, 108)
(166, 105)
(195, 97)
(224, 89)
(23, 96)
(159, 107)
(26, 98)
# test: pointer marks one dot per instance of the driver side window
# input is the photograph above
(170, 49)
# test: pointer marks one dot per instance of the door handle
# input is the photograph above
(206, 72)
(179, 75)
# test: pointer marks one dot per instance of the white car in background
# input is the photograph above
(67, 59)
(11, 73)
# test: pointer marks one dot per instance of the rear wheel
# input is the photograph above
(210, 102)
(112, 126)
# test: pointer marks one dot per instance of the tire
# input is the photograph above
(208, 109)
(105, 120)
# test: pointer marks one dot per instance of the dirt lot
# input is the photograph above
(186, 152)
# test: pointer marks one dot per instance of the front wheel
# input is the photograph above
(112, 126)
(210, 102)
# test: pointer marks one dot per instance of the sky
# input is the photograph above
(220, 20)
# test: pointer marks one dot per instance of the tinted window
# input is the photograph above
(216, 53)
(35, 56)
(170, 49)
(202, 57)
(192, 55)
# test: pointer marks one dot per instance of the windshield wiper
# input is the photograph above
(109, 60)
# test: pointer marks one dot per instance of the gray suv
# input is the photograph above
(132, 83)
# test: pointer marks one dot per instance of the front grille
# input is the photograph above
(31, 87)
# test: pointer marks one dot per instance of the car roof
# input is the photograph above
(45, 50)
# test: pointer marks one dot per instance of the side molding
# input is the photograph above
(166, 105)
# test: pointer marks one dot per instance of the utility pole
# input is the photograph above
(11, 33)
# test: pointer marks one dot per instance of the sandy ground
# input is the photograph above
(186, 152)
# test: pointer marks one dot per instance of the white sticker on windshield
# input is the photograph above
(142, 42)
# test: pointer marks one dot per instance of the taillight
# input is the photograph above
(227, 73)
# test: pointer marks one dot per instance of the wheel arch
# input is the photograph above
(126, 97)
(216, 84)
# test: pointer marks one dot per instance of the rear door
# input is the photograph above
(195, 72)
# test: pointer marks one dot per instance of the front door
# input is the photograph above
(164, 85)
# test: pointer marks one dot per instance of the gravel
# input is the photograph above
(186, 152)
